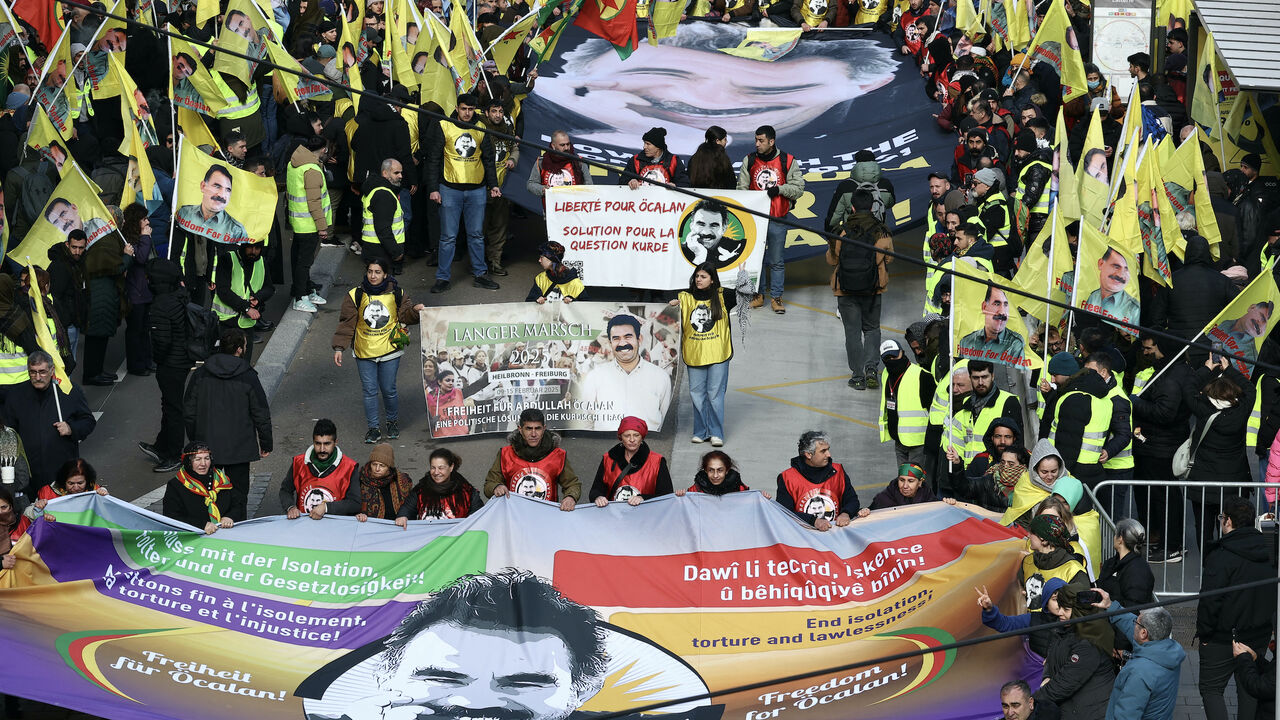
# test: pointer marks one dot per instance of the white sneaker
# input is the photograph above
(303, 305)
(316, 298)
(696, 440)
(717, 442)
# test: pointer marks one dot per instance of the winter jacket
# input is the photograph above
(1273, 469)
(1202, 292)
(313, 184)
(1241, 556)
(182, 505)
(106, 292)
(137, 290)
(227, 292)
(1127, 580)
(618, 454)
(1161, 410)
(1072, 414)
(570, 485)
(979, 483)
(891, 496)
(1080, 676)
(226, 407)
(849, 504)
(381, 134)
(1147, 686)
(32, 413)
(168, 317)
(69, 285)
(679, 175)
(1258, 678)
(1221, 454)
(1037, 641)
(867, 228)
(348, 318)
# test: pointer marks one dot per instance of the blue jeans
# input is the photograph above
(774, 248)
(73, 337)
(406, 205)
(468, 206)
(379, 378)
(706, 387)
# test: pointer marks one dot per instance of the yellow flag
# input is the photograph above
(1019, 23)
(139, 134)
(1092, 175)
(206, 10)
(1245, 132)
(350, 55)
(1188, 189)
(464, 49)
(664, 19)
(1056, 43)
(191, 85)
(1240, 329)
(765, 45)
(1108, 279)
(296, 86)
(436, 81)
(44, 138)
(109, 40)
(1039, 278)
(504, 48)
(74, 205)
(1205, 97)
(1157, 221)
(969, 20)
(56, 90)
(1068, 189)
(245, 31)
(40, 319)
(196, 131)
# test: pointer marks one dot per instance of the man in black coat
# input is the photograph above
(226, 407)
(1242, 555)
(70, 285)
(1161, 423)
(168, 319)
(1202, 292)
(51, 427)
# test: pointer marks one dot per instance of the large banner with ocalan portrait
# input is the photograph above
(585, 365)
(819, 97)
(652, 237)
(519, 611)
(220, 202)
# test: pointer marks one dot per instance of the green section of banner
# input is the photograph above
(466, 334)
(306, 574)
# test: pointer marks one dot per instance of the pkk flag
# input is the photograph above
(1056, 44)
(44, 16)
(43, 338)
(504, 48)
(550, 27)
(1240, 329)
(613, 20)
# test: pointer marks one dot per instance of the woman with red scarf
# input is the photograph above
(441, 494)
(200, 494)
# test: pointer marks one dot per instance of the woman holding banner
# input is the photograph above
(706, 346)
(200, 494)
(442, 494)
(369, 323)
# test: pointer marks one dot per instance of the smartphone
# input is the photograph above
(1089, 597)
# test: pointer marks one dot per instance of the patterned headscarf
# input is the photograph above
(1051, 529)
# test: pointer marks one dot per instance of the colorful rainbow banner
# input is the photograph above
(519, 612)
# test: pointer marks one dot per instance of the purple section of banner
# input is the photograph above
(76, 552)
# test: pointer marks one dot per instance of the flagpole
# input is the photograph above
(951, 351)
(173, 202)
(1169, 364)
(1075, 286)
(1048, 308)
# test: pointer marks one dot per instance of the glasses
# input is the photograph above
(1139, 624)
(39, 373)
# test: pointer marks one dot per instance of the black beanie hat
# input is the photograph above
(657, 136)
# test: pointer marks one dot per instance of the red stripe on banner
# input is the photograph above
(772, 576)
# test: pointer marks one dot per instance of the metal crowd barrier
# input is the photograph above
(1141, 499)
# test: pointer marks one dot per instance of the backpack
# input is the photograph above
(202, 331)
(857, 272)
(866, 176)
(110, 176)
(32, 187)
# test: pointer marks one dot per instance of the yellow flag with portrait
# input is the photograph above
(985, 325)
(1093, 176)
(219, 202)
(44, 139)
(1243, 325)
(1048, 270)
(1056, 43)
(190, 83)
(1107, 281)
(435, 75)
(74, 205)
(40, 324)
(139, 134)
(109, 40)
(245, 31)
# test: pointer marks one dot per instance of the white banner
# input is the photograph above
(652, 237)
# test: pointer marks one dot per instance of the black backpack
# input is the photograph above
(202, 331)
(857, 272)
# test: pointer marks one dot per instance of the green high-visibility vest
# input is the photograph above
(913, 417)
(1095, 431)
(998, 237)
(1042, 202)
(235, 108)
(367, 233)
(300, 219)
(975, 428)
(240, 285)
(13, 362)
(1123, 460)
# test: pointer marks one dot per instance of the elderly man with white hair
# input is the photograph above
(1147, 686)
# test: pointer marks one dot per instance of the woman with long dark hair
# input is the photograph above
(442, 494)
(709, 166)
(137, 340)
(74, 477)
(706, 346)
(717, 476)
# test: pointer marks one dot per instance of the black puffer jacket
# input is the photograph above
(1221, 455)
(1080, 676)
(1241, 556)
(381, 134)
(226, 407)
(1201, 295)
(1161, 410)
(1128, 580)
(168, 316)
